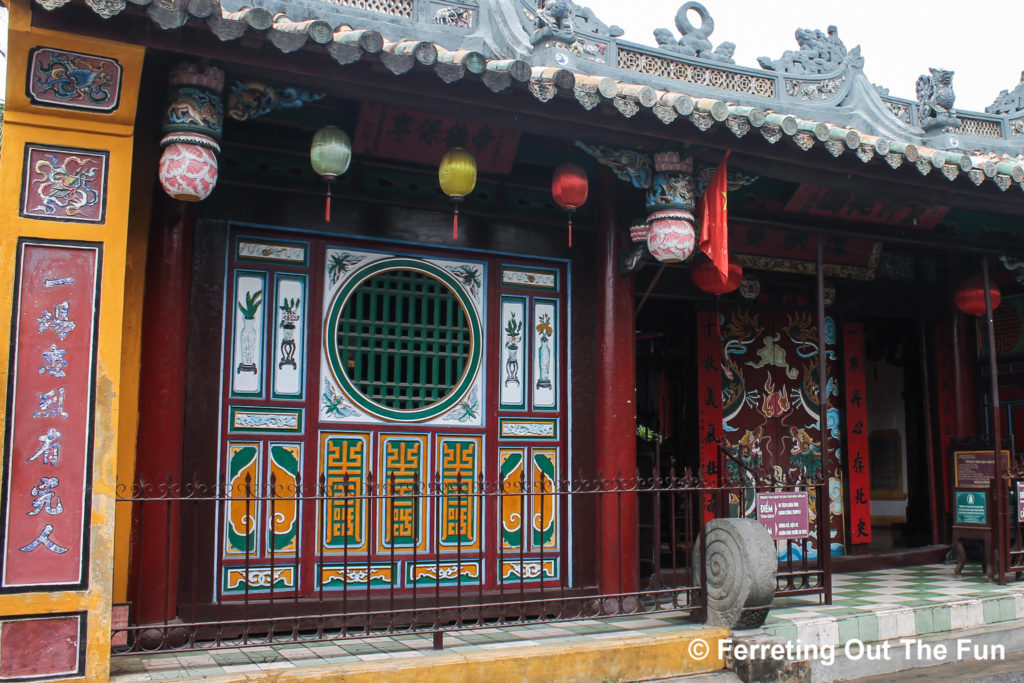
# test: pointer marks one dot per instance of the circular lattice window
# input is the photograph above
(403, 340)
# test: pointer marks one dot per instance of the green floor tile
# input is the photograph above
(867, 624)
(924, 620)
(849, 630)
(941, 620)
(784, 631)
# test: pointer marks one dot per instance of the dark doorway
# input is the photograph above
(666, 409)
(900, 500)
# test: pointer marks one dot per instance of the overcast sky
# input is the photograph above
(980, 40)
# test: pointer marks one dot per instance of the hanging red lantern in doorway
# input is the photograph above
(970, 296)
(707, 277)
(457, 175)
(569, 188)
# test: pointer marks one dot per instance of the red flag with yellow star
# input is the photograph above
(714, 222)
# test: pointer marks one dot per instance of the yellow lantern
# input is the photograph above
(457, 175)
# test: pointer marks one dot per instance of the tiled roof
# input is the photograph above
(703, 93)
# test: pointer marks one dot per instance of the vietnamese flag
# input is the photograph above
(714, 223)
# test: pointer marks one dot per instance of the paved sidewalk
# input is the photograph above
(867, 606)
(627, 634)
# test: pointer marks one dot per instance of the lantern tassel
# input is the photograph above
(455, 223)
(327, 208)
(570, 230)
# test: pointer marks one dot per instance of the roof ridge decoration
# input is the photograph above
(935, 98)
(818, 54)
(694, 42)
(1009, 102)
(839, 111)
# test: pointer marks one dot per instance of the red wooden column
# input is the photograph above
(618, 563)
(162, 409)
(945, 380)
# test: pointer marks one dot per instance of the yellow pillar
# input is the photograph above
(72, 118)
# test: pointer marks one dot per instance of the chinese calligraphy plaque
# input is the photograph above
(48, 444)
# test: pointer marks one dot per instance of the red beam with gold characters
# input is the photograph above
(709, 380)
(48, 444)
(857, 434)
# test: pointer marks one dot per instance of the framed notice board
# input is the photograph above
(974, 469)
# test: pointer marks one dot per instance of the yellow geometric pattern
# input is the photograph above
(343, 466)
(402, 513)
(460, 508)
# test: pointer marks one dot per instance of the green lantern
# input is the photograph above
(330, 155)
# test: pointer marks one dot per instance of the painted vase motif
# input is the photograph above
(247, 337)
(544, 351)
(513, 329)
(290, 316)
(512, 366)
(288, 345)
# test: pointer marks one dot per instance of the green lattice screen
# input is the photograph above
(403, 339)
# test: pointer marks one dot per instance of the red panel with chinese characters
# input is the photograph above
(48, 445)
(709, 376)
(857, 434)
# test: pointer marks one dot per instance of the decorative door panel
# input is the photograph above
(407, 398)
(402, 340)
(770, 403)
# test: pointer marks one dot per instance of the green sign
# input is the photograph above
(971, 507)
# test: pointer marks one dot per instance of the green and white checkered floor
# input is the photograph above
(897, 603)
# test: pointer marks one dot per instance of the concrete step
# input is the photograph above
(992, 643)
(764, 657)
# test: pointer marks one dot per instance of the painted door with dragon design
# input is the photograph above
(370, 376)
(770, 404)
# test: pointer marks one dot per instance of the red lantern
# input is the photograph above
(707, 277)
(569, 189)
(970, 296)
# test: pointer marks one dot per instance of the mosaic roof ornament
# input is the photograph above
(819, 53)
(192, 128)
(935, 98)
(694, 42)
(106, 8)
(627, 164)
(555, 20)
(250, 99)
(1009, 102)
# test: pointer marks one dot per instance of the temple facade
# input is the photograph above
(328, 306)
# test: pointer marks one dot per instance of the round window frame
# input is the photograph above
(337, 370)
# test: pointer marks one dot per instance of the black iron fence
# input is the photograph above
(252, 564)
